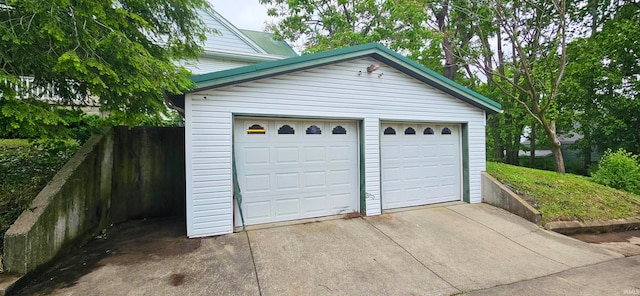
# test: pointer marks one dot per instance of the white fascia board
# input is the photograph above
(241, 56)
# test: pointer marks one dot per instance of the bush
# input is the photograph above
(81, 126)
(24, 170)
(620, 170)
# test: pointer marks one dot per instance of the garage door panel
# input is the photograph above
(340, 177)
(420, 168)
(286, 155)
(315, 180)
(314, 154)
(311, 175)
(340, 154)
(391, 174)
(412, 173)
(288, 207)
(411, 151)
(256, 210)
(339, 201)
(257, 183)
(287, 181)
(256, 156)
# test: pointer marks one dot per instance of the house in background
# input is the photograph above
(573, 156)
(231, 47)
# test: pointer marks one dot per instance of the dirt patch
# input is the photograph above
(626, 236)
(124, 244)
(626, 243)
(176, 279)
(352, 215)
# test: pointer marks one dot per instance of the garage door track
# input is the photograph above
(437, 250)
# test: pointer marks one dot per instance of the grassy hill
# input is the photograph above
(563, 197)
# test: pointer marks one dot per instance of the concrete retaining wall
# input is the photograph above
(148, 173)
(496, 194)
(123, 174)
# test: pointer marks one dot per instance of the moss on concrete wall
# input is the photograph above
(72, 207)
(121, 175)
(148, 173)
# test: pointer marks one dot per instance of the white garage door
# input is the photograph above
(421, 164)
(294, 169)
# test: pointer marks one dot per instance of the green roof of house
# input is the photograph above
(374, 50)
(269, 44)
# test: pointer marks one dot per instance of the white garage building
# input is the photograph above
(319, 135)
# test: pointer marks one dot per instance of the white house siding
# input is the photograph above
(208, 169)
(225, 39)
(209, 64)
(372, 165)
(331, 91)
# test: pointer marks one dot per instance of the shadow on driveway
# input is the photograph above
(126, 244)
(434, 250)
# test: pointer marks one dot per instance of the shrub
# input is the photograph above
(24, 171)
(620, 170)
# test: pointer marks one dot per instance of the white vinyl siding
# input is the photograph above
(210, 186)
(209, 64)
(225, 39)
(337, 91)
(372, 166)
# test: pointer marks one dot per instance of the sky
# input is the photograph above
(244, 14)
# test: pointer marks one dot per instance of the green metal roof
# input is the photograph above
(374, 50)
(269, 44)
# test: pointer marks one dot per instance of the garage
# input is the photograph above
(358, 129)
(420, 164)
(295, 169)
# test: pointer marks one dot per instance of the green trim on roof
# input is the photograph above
(375, 50)
(269, 44)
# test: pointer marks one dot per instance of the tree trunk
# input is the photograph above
(550, 130)
(532, 145)
(512, 157)
(513, 147)
(557, 155)
(450, 60)
(587, 152)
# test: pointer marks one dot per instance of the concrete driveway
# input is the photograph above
(436, 250)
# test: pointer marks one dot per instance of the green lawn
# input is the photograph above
(24, 171)
(567, 197)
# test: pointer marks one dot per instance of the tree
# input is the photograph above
(602, 84)
(122, 52)
(427, 31)
(536, 32)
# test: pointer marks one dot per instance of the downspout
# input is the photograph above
(236, 190)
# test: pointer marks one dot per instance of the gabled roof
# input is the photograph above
(374, 50)
(269, 44)
(223, 21)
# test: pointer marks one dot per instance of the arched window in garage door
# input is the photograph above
(428, 131)
(389, 131)
(339, 130)
(409, 131)
(314, 130)
(256, 129)
(286, 130)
